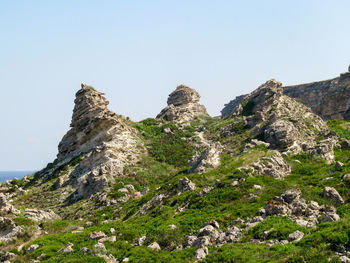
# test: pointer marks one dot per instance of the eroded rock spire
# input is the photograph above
(183, 105)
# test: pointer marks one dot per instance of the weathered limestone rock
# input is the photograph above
(8, 229)
(291, 204)
(67, 248)
(33, 247)
(5, 206)
(39, 215)
(209, 158)
(285, 124)
(329, 99)
(201, 252)
(183, 106)
(185, 185)
(154, 246)
(273, 166)
(295, 236)
(97, 234)
(103, 140)
(332, 193)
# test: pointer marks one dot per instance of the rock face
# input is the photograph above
(183, 106)
(102, 139)
(39, 215)
(285, 124)
(330, 99)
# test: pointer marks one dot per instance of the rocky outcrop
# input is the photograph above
(183, 106)
(103, 140)
(274, 166)
(185, 185)
(291, 204)
(40, 215)
(207, 159)
(329, 99)
(285, 124)
(8, 229)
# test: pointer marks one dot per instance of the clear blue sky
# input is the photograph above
(137, 52)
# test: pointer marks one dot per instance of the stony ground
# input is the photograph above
(268, 183)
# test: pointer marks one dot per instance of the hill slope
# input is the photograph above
(268, 183)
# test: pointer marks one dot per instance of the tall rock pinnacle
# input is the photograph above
(183, 105)
(90, 115)
(104, 140)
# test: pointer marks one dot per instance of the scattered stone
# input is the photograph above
(99, 248)
(346, 178)
(112, 230)
(344, 259)
(295, 236)
(85, 250)
(185, 185)
(96, 235)
(173, 227)
(338, 166)
(88, 224)
(125, 260)
(31, 248)
(257, 187)
(110, 239)
(67, 248)
(140, 241)
(332, 194)
(201, 252)
(154, 246)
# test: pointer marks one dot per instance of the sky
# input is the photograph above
(137, 52)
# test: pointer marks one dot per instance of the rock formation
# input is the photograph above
(283, 122)
(103, 140)
(330, 99)
(183, 106)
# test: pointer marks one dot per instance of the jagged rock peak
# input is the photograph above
(89, 104)
(90, 116)
(183, 106)
(183, 95)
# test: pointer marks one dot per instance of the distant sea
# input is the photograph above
(9, 175)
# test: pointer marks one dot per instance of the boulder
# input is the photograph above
(332, 194)
(67, 248)
(31, 248)
(186, 185)
(96, 235)
(201, 252)
(154, 246)
(295, 236)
